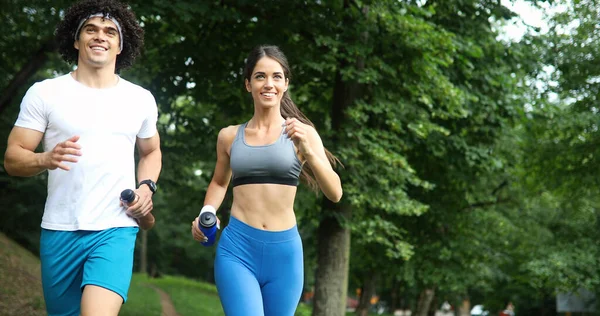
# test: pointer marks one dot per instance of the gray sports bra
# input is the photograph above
(275, 163)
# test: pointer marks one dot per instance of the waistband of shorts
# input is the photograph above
(262, 235)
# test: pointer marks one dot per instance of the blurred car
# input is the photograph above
(478, 310)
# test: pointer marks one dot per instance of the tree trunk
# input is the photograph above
(34, 64)
(434, 302)
(367, 291)
(331, 278)
(465, 307)
(424, 303)
(144, 253)
(394, 297)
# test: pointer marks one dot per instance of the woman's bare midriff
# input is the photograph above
(265, 206)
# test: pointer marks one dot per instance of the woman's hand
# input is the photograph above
(298, 133)
(196, 232)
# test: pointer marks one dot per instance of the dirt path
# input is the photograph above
(165, 301)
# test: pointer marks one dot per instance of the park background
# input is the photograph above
(470, 156)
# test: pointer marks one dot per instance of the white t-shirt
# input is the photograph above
(108, 122)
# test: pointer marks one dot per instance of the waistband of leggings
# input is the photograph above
(263, 235)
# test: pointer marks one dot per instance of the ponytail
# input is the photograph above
(290, 110)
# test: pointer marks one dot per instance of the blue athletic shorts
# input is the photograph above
(259, 272)
(73, 259)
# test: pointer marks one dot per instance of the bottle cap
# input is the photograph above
(128, 196)
(208, 219)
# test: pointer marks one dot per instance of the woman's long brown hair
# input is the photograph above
(288, 107)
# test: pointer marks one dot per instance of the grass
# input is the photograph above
(191, 297)
(20, 285)
(142, 300)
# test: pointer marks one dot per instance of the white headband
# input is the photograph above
(106, 16)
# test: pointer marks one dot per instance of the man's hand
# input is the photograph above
(68, 150)
(146, 222)
(143, 205)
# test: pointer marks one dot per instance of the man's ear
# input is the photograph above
(76, 45)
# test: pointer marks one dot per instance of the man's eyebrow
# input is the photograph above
(98, 26)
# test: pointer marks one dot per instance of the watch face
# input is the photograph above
(151, 184)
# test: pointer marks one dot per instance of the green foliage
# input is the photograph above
(560, 135)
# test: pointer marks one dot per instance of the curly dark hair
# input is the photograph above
(133, 34)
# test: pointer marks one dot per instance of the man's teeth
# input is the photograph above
(99, 48)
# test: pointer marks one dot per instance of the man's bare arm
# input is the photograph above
(149, 167)
(21, 159)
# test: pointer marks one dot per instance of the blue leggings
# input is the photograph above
(259, 272)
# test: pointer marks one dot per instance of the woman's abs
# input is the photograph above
(265, 206)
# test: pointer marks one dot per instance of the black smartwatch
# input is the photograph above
(150, 184)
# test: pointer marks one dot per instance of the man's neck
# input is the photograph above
(98, 78)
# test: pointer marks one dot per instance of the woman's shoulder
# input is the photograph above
(227, 134)
(229, 131)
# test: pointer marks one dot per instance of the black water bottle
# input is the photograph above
(128, 196)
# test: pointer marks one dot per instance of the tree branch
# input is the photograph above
(485, 204)
(27, 71)
(500, 187)
(497, 201)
